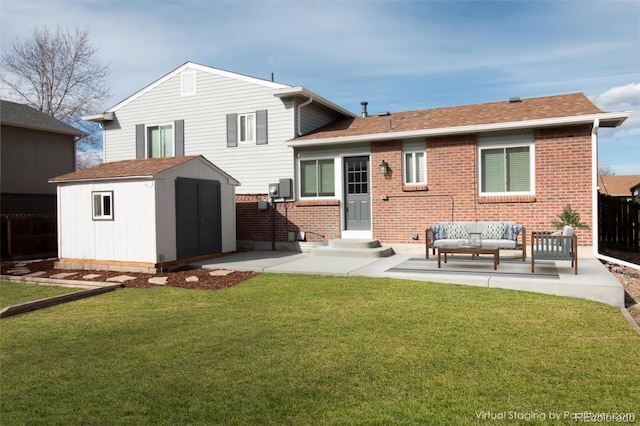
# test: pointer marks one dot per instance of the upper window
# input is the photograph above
(247, 127)
(102, 205)
(160, 141)
(317, 178)
(507, 169)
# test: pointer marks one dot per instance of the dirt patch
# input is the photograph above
(196, 279)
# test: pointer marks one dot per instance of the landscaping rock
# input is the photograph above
(158, 280)
(63, 275)
(121, 278)
(192, 279)
(90, 276)
(220, 273)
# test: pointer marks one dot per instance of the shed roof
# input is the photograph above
(129, 169)
(25, 116)
(618, 186)
(548, 110)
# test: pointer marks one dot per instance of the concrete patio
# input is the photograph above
(594, 281)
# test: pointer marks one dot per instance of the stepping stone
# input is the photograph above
(63, 275)
(191, 279)
(36, 274)
(90, 276)
(121, 278)
(220, 273)
(158, 280)
(19, 271)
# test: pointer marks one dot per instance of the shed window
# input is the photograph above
(102, 205)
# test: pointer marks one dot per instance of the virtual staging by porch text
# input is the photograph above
(543, 416)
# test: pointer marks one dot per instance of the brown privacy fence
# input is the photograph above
(619, 223)
(28, 236)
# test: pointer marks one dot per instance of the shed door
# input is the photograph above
(198, 219)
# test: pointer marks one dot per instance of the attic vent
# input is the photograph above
(514, 100)
(189, 83)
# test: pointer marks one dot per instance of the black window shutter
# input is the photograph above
(232, 129)
(261, 127)
(139, 140)
(178, 128)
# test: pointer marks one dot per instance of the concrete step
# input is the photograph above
(353, 248)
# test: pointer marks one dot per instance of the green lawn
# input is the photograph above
(308, 350)
(12, 293)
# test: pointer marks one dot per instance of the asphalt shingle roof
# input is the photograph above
(570, 105)
(21, 115)
(124, 169)
(618, 186)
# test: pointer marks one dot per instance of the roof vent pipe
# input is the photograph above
(514, 100)
(364, 108)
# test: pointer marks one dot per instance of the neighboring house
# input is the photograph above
(621, 187)
(145, 214)
(386, 176)
(34, 147)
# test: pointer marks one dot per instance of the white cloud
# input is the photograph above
(621, 95)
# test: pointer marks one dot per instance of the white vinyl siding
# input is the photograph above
(205, 127)
(506, 165)
(313, 117)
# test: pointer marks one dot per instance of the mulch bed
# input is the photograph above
(205, 281)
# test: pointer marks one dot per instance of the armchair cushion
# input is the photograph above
(455, 231)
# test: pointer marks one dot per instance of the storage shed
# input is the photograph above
(143, 215)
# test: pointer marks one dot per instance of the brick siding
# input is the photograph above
(563, 176)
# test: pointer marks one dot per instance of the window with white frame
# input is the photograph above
(102, 205)
(247, 127)
(160, 141)
(317, 178)
(414, 162)
(506, 165)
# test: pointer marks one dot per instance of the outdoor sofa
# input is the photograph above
(504, 235)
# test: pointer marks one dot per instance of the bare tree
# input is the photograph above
(56, 73)
(605, 169)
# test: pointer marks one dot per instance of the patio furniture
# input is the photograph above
(473, 251)
(504, 235)
(555, 246)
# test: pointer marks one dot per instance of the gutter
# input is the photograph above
(304, 104)
(594, 201)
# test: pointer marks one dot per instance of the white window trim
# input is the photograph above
(146, 138)
(415, 169)
(254, 129)
(102, 194)
(514, 144)
(336, 178)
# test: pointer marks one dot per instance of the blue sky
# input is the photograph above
(397, 55)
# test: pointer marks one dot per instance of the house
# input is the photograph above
(620, 187)
(146, 214)
(35, 146)
(335, 174)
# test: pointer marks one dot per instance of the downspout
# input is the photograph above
(305, 103)
(594, 201)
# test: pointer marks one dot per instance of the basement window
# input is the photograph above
(102, 205)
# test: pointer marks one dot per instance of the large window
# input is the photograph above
(246, 127)
(160, 141)
(102, 205)
(317, 178)
(506, 169)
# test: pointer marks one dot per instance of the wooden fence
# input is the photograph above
(619, 224)
(28, 236)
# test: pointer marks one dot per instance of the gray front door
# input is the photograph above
(357, 199)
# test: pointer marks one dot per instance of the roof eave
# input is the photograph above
(94, 179)
(99, 118)
(299, 90)
(78, 133)
(610, 119)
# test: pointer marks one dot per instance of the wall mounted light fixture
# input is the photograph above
(384, 168)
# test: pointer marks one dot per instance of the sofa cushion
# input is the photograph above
(494, 231)
(438, 232)
(455, 231)
(512, 231)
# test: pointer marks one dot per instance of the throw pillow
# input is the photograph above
(455, 231)
(494, 231)
(512, 232)
(438, 232)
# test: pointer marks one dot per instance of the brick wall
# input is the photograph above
(563, 176)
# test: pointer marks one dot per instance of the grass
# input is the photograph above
(292, 349)
(12, 293)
